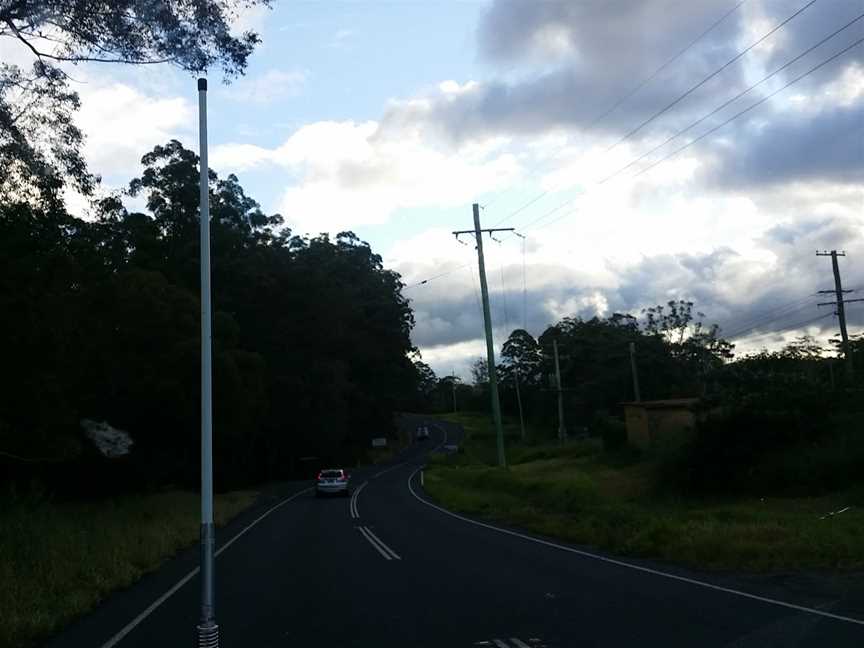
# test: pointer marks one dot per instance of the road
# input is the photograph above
(387, 569)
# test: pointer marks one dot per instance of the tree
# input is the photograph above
(39, 142)
(521, 356)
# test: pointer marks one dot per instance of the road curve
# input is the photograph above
(384, 569)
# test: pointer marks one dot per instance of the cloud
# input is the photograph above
(340, 38)
(122, 123)
(268, 87)
(345, 174)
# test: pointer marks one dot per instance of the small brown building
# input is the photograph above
(649, 421)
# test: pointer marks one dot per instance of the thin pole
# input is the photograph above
(453, 384)
(562, 430)
(490, 349)
(519, 403)
(208, 631)
(636, 393)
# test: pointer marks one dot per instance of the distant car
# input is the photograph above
(422, 433)
(333, 481)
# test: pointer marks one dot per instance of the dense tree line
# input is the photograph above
(101, 321)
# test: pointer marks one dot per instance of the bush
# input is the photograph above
(751, 452)
(612, 430)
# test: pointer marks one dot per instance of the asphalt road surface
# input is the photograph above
(385, 569)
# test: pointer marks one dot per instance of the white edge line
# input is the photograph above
(381, 551)
(383, 546)
(646, 570)
(113, 641)
(500, 643)
(519, 643)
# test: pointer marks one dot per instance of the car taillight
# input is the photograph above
(319, 476)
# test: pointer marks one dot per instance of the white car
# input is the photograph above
(422, 433)
(333, 481)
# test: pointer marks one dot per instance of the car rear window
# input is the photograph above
(331, 474)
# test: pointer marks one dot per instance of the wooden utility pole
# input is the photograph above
(633, 369)
(453, 384)
(840, 303)
(519, 403)
(487, 322)
(562, 429)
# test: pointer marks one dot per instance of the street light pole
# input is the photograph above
(208, 630)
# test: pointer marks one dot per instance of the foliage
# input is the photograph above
(40, 146)
(571, 492)
(311, 336)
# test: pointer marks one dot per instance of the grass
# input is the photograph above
(578, 493)
(58, 560)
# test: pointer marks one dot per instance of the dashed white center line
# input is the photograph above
(500, 643)
(518, 643)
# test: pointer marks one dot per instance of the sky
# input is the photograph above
(391, 118)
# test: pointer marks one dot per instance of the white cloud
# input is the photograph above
(122, 123)
(268, 87)
(351, 173)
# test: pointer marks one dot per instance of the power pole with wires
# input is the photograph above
(487, 321)
(840, 303)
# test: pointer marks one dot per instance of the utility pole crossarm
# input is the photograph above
(488, 231)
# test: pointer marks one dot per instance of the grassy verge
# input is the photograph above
(57, 560)
(578, 493)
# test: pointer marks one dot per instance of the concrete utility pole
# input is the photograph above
(636, 393)
(562, 430)
(487, 321)
(208, 630)
(840, 304)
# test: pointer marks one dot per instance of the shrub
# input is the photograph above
(612, 430)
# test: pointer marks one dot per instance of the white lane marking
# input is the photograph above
(518, 643)
(386, 470)
(381, 543)
(500, 643)
(129, 627)
(352, 507)
(381, 551)
(422, 481)
(639, 568)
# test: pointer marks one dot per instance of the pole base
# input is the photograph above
(208, 636)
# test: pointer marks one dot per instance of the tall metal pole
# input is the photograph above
(208, 631)
(636, 393)
(562, 430)
(490, 349)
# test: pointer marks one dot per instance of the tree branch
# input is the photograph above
(80, 59)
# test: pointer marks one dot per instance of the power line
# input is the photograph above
(791, 326)
(438, 276)
(731, 61)
(765, 321)
(751, 107)
(627, 96)
(724, 123)
(733, 99)
(766, 316)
